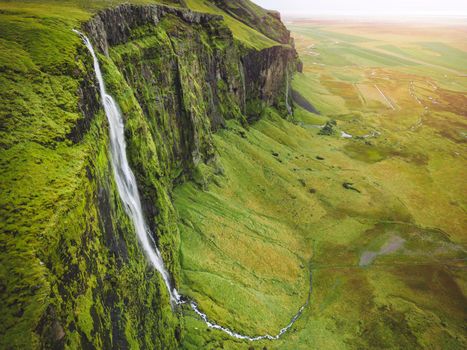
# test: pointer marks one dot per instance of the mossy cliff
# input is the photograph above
(72, 272)
(267, 22)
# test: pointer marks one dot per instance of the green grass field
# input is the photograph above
(387, 253)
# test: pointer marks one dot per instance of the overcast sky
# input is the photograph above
(362, 7)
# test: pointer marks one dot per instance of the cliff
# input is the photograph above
(73, 274)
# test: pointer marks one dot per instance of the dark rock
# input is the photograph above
(178, 112)
(319, 158)
(266, 78)
(265, 21)
(88, 104)
(349, 186)
(113, 26)
(328, 128)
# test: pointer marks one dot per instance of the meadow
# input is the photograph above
(372, 206)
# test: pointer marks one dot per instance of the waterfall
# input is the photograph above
(128, 191)
(242, 76)
(287, 105)
(124, 177)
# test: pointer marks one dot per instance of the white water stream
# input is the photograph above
(128, 191)
(287, 104)
(124, 177)
(242, 77)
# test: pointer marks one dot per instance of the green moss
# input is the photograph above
(247, 35)
(72, 272)
(83, 313)
(58, 252)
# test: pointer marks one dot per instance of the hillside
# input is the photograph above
(73, 274)
(362, 188)
(188, 174)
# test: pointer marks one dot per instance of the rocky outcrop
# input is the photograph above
(114, 26)
(267, 22)
(203, 82)
(266, 74)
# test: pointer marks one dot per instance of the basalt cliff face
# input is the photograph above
(178, 76)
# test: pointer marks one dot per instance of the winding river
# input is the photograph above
(128, 191)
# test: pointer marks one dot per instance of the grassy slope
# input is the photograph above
(278, 211)
(333, 223)
(46, 187)
(256, 17)
(248, 36)
(29, 151)
(50, 225)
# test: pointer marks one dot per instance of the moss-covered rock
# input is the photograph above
(72, 272)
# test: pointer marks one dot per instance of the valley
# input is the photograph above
(188, 174)
(387, 260)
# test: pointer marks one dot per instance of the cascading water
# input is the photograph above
(124, 177)
(128, 191)
(287, 104)
(242, 77)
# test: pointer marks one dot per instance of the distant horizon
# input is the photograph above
(359, 8)
(373, 15)
(452, 19)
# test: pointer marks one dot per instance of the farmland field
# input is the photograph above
(375, 211)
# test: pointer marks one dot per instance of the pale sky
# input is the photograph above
(367, 7)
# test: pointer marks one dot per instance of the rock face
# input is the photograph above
(202, 74)
(266, 74)
(115, 25)
(178, 76)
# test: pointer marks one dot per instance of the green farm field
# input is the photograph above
(372, 207)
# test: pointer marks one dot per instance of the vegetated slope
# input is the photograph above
(378, 218)
(267, 22)
(72, 273)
